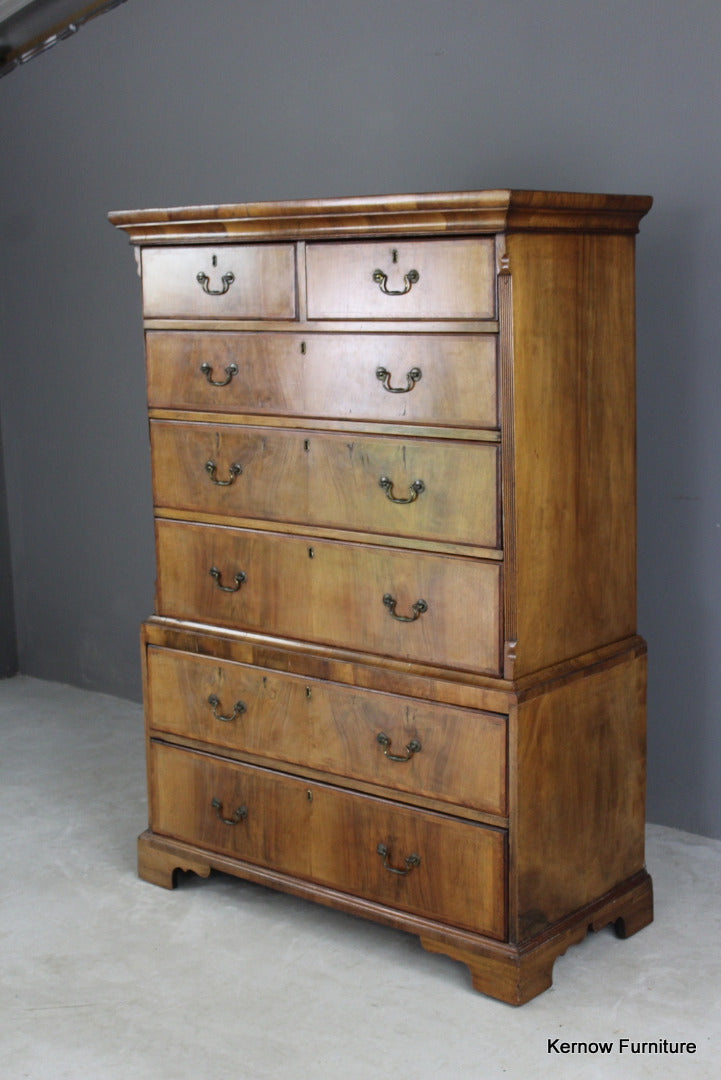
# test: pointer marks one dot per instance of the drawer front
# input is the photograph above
(331, 837)
(328, 479)
(414, 279)
(400, 379)
(333, 593)
(457, 755)
(241, 281)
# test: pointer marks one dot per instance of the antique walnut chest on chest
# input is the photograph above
(393, 665)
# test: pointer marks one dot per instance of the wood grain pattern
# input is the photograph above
(516, 974)
(331, 727)
(332, 480)
(420, 327)
(328, 375)
(459, 212)
(578, 793)
(456, 280)
(321, 532)
(574, 444)
(334, 595)
(263, 283)
(330, 836)
(467, 690)
(319, 423)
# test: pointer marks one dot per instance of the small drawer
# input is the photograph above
(434, 489)
(443, 380)
(414, 279)
(413, 746)
(445, 869)
(237, 281)
(438, 609)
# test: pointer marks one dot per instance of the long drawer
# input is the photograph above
(434, 489)
(446, 869)
(400, 379)
(414, 606)
(408, 279)
(248, 281)
(413, 746)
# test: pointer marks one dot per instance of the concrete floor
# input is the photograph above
(104, 976)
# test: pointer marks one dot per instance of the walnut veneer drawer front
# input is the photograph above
(243, 281)
(449, 870)
(436, 609)
(403, 743)
(434, 489)
(412, 378)
(414, 279)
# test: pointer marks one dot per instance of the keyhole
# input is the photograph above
(302, 348)
(394, 255)
(311, 553)
(215, 260)
(307, 692)
(309, 796)
(306, 445)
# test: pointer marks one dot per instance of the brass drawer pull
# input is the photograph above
(384, 375)
(409, 281)
(418, 609)
(239, 578)
(204, 282)
(238, 709)
(416, 488)
(230, 371)
(233, 470)
(411, 861)
(412, 748)
(239, 815)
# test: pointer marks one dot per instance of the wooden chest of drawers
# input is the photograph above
(394, 666)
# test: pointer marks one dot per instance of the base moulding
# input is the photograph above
(508, 972)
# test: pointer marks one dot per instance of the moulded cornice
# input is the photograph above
(466, 212)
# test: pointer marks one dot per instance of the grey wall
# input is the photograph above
(8, 641)
(174, 102)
